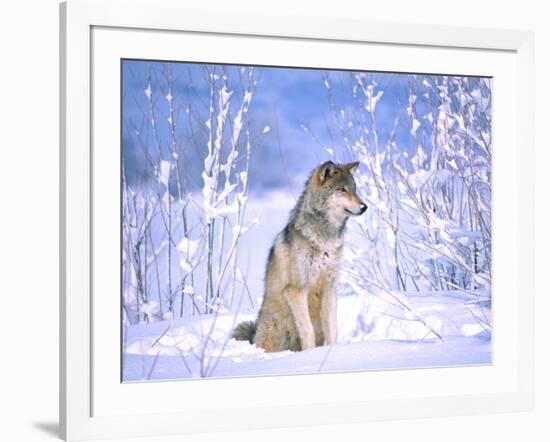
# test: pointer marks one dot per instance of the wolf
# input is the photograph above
(298, 311)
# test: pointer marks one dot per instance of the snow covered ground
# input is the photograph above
(375, 331)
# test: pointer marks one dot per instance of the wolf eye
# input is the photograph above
(342, 189)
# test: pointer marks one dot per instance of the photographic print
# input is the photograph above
(282, 220)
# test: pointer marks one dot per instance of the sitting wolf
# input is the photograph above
(299, 307)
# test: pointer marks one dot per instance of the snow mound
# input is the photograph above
(377, 330)
(396, 316)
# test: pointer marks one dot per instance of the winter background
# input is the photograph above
(214, 158)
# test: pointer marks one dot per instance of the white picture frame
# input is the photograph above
(83, 413)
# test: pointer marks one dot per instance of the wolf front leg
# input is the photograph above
(298, 303)
(328, 313)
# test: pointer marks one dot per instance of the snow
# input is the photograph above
(188, 246)
(415, 126)
(188, 289)
(373, 99)
(375, 332)
(148, 92)
(164, 175)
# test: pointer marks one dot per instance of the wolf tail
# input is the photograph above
(245, 331)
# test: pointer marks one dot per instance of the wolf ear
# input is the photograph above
(326, 170)
(351, 167)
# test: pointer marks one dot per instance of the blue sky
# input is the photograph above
(286, 99)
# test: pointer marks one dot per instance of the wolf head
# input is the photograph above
(336, 185)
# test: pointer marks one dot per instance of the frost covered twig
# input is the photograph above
(171, 232)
